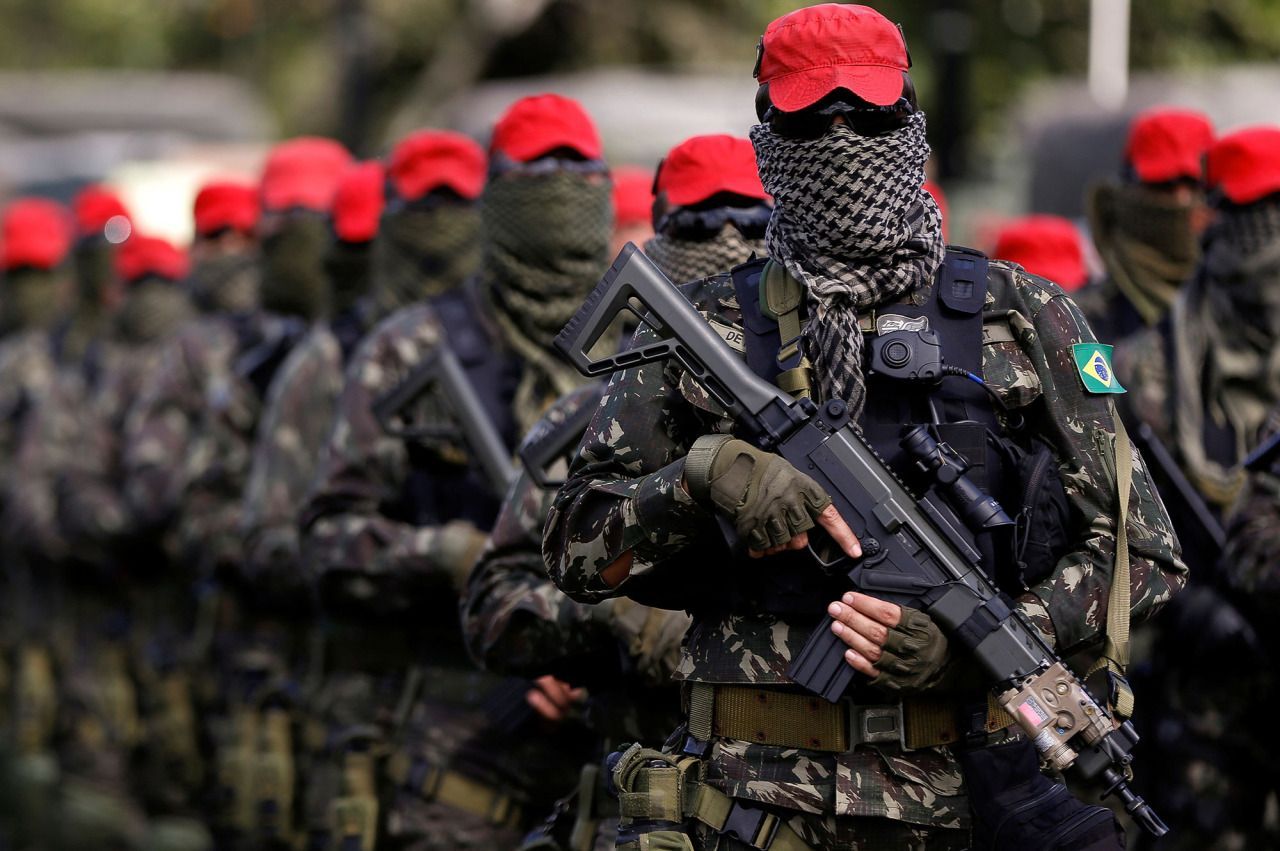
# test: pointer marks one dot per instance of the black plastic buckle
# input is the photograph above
(751, 825)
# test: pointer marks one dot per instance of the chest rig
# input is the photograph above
(437, 490)
(918, 357)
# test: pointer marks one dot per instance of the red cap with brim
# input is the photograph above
(1245, 166)
(1048, 246)
(702, 166)
(35, 233)
(94, 206)
(535, 125)
(304, 173)
(632, 195)
(1168, 144)
(150, 256)
(358, 203)
(811, 52)
(432, 159)
(226, 205)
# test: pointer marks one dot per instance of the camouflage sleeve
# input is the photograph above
(625, 494)
(1071, 604)
(348, 534)
(1251, 559)
(292, 431)
(159, 432)
(47, 443)
(26, 372)
(1143, 369)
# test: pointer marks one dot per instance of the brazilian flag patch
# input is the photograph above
(1093, 360)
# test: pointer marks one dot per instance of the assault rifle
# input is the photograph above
(914, 552)
(441, 371)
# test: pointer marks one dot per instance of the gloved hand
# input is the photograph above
(900, 648)
(457, 546)
(768, 500)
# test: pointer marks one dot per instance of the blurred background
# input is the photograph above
(1028, 100)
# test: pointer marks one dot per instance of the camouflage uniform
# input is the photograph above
(378, 532)
(625, 494)
(517, 622)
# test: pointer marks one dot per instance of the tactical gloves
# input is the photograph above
(913, 656)
(768, 500)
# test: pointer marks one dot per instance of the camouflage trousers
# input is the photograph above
(850, 834)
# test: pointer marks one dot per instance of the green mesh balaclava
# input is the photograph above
(93, 265)
(153, 309)
(1147, 240)
(294, 281)
(348, 266)
(424, 249)
(226, 274)
(31, 299)
(546, 243)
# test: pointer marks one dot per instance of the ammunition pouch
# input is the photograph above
(662, 799)
(353, 814)
(273, 775)
(37, 699)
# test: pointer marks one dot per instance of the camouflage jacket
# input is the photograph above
(297, 415)
(190, 436)
(625, 494)
(27, 372)
(516, 621)
(1253, 533)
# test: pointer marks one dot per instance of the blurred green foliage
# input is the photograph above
(344, 66)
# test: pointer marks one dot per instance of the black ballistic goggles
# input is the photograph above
(698, 225)
(863, 119)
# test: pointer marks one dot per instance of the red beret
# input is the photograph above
(1245, 165)
(223, 204)
(1048, 246)
(807, 54)
(96, 205)
(941, 198)
(303, 172)
(701, 166)
(145, 256)
(36, 232)
(534, 125)
(632, 195)
(429, 159)
(358, 203)
(1168, 144)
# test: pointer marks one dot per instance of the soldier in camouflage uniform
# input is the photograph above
(298, 412)
(102, 225)
(1147, 225)
(1204, 381)
(636, 517)
(188, 444)
(394, 524)
(35, 288)
(710, 214)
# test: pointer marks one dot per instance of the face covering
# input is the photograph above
(853, 224)
(423, 253)
(226, 281)
(690, 259)
(293, 276)
(152, 310)
(30, 299)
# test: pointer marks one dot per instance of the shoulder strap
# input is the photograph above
(1115, 649)
(781, 297)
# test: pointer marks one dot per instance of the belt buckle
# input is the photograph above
(873, 725)
(752, 825)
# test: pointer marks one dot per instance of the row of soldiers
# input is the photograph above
(265, 587)
(234, 575)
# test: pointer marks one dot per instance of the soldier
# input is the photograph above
(189, 439)
(1147, 225)
(1047, 246)
(226, 266)
(35, 289)
(394, 524)
(710, 214)
(1201, 384)
(103, 223)
(841, 150)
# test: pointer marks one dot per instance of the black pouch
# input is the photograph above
(1016, 807)
(1041, 536)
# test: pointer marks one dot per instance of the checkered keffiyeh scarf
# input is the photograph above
(684, 260)
(853, 224)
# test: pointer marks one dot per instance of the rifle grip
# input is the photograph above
(820, 665)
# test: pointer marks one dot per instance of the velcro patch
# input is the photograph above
(1093, 361)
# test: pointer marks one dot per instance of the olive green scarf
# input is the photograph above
(294, 281)
(153, 310)
(226, 281)
(1147, 243)
(546, 244)
(422, 253)
(30, 300)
